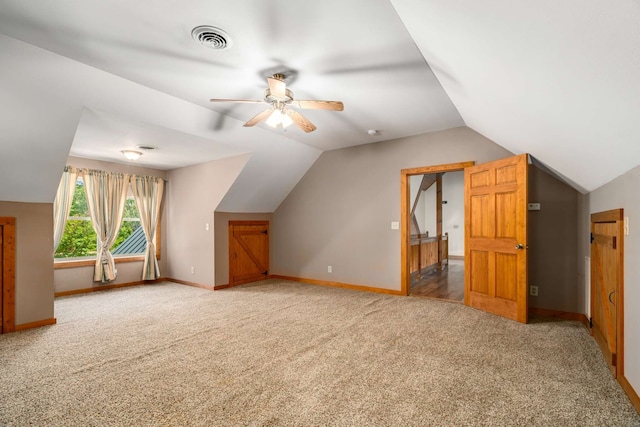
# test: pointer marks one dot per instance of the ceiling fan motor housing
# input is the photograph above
(270, 98)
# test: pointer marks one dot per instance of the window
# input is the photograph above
(79, 240)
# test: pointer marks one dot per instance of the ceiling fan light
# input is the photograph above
(286, 120)
(278, 118)
(131, 154)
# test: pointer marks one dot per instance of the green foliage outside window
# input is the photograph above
(79, 238)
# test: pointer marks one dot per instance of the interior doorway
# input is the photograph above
(428, 267)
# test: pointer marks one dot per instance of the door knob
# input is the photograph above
(519, 246)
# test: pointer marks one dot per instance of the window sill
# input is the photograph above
(91, 262)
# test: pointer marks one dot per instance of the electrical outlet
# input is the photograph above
(533, 291)
(193, 270)
(329, 269)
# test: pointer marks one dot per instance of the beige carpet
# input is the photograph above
(281, 353)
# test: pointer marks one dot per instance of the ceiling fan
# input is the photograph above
(280, 100)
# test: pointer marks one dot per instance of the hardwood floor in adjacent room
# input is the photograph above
(445, 284)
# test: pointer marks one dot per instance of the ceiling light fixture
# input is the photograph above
(279, 118)
(131, 154)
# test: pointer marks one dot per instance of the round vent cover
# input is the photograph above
(211, 37)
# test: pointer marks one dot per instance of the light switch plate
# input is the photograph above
(395, 225)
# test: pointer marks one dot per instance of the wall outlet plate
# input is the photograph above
(533, 291)
(533, 206)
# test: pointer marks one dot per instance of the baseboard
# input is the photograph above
(631, 393)
(218, 287)
(195, 285)
(456, 257)
(107, 287)
(38, 324)
(337, 284)
(565, 315)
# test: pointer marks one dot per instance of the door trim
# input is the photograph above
(8, 267)
(405, 211)
(617, 216)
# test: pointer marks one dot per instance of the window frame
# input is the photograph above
(61, 263)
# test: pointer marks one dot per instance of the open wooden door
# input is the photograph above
(606, 285)
(496, 237)
(248, 251)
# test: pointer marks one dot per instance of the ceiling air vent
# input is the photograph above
(211, 37)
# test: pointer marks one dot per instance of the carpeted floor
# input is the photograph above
(282, 353)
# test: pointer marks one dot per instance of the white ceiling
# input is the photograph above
(556, 79)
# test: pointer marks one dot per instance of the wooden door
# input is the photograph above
(7, 274)
(248, 251)
(606, 284)
(496, 237)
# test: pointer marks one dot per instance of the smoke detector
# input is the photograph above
(212, 37)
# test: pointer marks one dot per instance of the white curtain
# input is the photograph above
(62, 203)
(106, 193)
(147, 192)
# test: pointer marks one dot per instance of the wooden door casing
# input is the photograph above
(607, 252)
(496, 237)
(7, 274)
(248, 251)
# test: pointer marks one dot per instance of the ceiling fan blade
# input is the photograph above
(241, 101)
(301, 121)
(278, 88)
(319, 105)
(259, 117)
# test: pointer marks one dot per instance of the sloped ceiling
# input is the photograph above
(556, 79)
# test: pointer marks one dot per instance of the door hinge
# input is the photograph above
(592, 238)
(591, 322)
(265, 232)
(266, 272)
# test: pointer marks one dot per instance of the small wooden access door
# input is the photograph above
(495, 276)
(7, 274)
(607, 254)
(248, 251)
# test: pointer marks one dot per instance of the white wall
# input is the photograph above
(453, 211)
(429, 210)
(624, 192)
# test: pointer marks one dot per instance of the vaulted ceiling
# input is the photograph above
(555, 79)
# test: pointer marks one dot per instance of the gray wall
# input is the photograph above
(340, 213)
(624, 192)
(553, 239)
(34, 259)
(194, 193)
